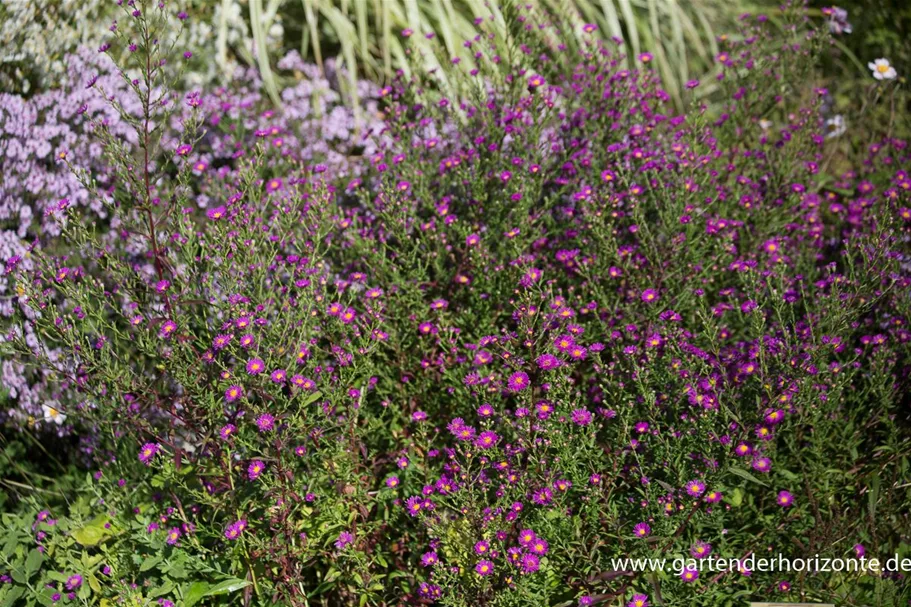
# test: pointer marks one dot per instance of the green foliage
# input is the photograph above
(687, 322)
(367, 35)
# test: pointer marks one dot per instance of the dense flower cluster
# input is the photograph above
(47, 145)
(532, 330)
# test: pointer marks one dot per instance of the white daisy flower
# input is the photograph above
(835, 126)
(52, 414)
(882, 69)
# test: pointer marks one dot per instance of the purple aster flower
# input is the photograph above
(484, 567)
(695, 488)
(167, 329)
(173, 536)
(486, 440)
(344, 539)
(527, 537)
(233, 393)
(518, 381)
(690, 574)
(255, 468)
(428, 559)
(638, 600)
(73, 582)
(785, 499)
(642, 530)
(414, 505)
(265, 422)
(539, 547)
(582, 417)
(255, 366)
(543, 496)
(547, 362)
(148, 452)
(530, 563)
(700, 550)
(235, 529)
(762, 464)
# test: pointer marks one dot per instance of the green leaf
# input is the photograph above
(89, 536)
(33, 562)
(227, 587)
(12, 596)
(737, 498)
(10, 546)
(788, 474)
(195, 593)
(94, 533)
(873, 497)
(162, 590)
(311, 399)
(149, 563)
(745, 475)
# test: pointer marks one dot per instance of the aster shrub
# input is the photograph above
(48, 140)
(541, 328)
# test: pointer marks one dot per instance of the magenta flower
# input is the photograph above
(689, 574)
(148, 453)
(235, 529)
(518, 381)
(173, 536)
(167, 328)
(785, 499)
(265, 422)
(547, 362)
(530, 563)
(539, 547)
(762, 464)
(255, 366)
(695, 488)
(527, 537)
(233, 393)
(486, 440)
(344, 539)
(73, 582)
(255, 468)
(700, 550)
(484, 568)
(428, 559)
(638, 600)
(582, 417)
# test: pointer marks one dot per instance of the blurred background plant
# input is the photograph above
(352, 39)
(365, 35)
